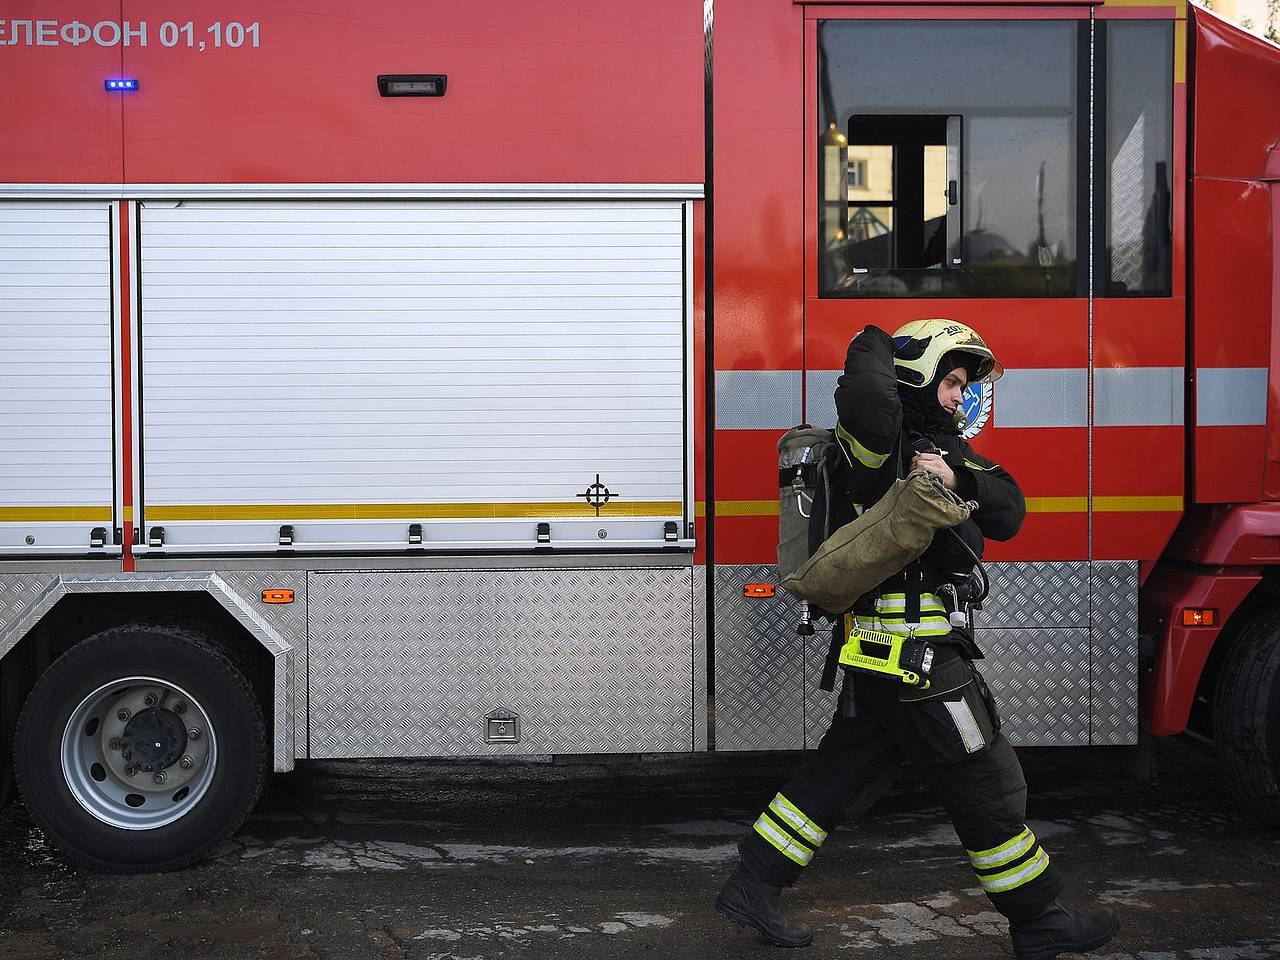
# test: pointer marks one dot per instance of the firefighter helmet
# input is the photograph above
(920, 345)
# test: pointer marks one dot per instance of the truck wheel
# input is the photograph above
(140, 749)
(1246, 718)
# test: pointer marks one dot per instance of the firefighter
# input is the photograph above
(898, 405)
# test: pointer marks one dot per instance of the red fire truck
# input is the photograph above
(404, 380)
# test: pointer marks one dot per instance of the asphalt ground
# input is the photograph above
(623, 858)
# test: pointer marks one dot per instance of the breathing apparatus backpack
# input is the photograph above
(805, 470)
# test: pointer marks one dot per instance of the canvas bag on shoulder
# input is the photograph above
(893, 532)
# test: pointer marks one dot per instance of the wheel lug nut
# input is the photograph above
(186, 763)
(130, 770)
(193, 733)
(124, 713)
(160, 777)
(150, 699)
(179, 707)
(114, 743)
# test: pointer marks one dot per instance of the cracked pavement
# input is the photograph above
(454, 860)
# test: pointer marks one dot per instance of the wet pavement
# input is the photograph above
(623, 859)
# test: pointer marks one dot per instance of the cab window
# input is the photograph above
(950, 161)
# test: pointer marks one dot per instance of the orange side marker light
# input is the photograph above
(1199, 617)
(759, 590)
(277, 596)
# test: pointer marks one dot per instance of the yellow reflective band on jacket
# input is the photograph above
(897, 603)
(1007, 852)
(853, 450)
(934, 626)
(789, 812)
(977, 466)
(891, 616)
(930, 627)
(790, 848)
(1017, 876)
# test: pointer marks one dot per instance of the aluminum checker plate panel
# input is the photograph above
(591, 661)
(290, 621)
(1040, 679)
(1034, 630)
(1113, 661)
(700, 703)
(1042, 594)
(759, 664)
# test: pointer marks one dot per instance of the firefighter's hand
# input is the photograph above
(935, 465)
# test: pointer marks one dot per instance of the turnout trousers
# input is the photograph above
(951, 735)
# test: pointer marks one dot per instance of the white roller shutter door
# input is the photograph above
(351, 368)
(55, 376)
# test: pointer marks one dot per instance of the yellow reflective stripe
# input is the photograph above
(977, 466)
(902, 622)
(54, 514)
(746, 508)
(413, 511)
(1007, 851)
(935, 628)
(769, 508)
(792, 814)
(1057, 504)
(1137, 504)
(1017, 876)
(851, 446)
(782, 842)
(902, 598)
(898, 606)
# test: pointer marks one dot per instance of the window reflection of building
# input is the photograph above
(857, 175)
(949, 162)
(870, 192)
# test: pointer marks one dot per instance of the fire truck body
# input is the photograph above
(369, 358)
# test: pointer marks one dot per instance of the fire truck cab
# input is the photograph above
(407, 382)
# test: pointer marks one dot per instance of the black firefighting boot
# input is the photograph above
(1059, 930)
(748, 899)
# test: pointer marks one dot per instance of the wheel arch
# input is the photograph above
(71, 608)
(1262, 599)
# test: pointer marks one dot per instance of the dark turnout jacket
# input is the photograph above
(876, 443)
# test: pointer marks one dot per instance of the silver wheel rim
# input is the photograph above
(139, 753)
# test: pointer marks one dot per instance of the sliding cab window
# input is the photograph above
(950, 162)
(1137, 153)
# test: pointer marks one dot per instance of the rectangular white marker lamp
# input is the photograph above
(412, 84)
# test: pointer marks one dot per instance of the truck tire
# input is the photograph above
(140, 749)
(1246, 718)
(9, 693)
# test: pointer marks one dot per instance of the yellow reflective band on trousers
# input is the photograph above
(1014, 851)
(782, 842)
(789, 812)
(1007, 852)
(853, 450)
(1017, 876)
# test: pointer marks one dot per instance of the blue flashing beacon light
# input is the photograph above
(121, 86)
